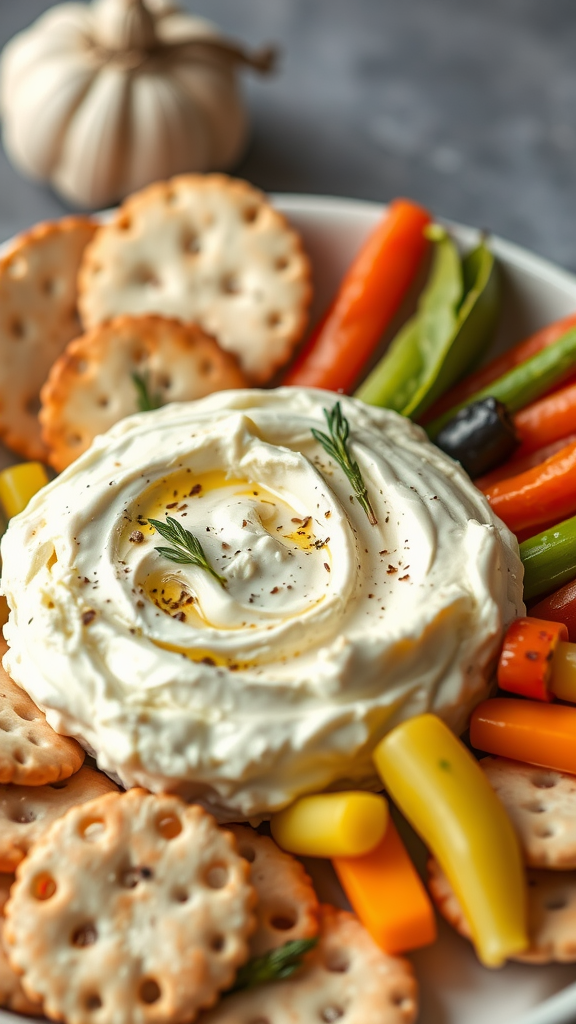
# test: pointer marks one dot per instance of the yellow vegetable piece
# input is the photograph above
(448, 800)
(20, 483)
(331, 824)
(563, 683)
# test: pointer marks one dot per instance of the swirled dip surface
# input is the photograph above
(328, 631)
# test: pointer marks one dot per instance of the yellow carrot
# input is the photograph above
(20, 483)
(331, 824)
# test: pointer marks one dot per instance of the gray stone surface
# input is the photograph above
(469, 107)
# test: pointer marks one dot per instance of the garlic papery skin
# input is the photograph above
(101, 99)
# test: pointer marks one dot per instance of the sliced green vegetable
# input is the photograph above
(525, 383)
(455, 318)
(549, 559)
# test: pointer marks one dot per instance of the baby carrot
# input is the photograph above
(526, 662)
(502, 364)
(538, 495)
(388, 896)
(559, 607)
(547, 420)
(526, 730)
(368, 297)
(346, 824)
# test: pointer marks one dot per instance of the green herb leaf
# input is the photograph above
(146, 401)
(186, 549)
(273, 966)
(335, 446)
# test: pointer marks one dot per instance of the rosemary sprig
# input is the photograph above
(186, 550)
(273, 966)
(146, 401)
(335, 446)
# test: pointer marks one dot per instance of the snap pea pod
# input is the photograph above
(448, 333)
(525, 383)
(549, 559)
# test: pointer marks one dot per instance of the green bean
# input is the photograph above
(456, 313)
(525, 383)
(549, 559)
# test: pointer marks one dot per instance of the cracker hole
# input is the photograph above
(544, 781)
(556, 903)
(20, 757)
(50, 286)
(216, 876)
(59, 785)
(32, 405)
(17, 328)
(103, 402)
(250, 214)
(274, 319)
(164, 382)
(91, 829)
(399, 999)
(92, 1001)
(207, 367)
(33, 740)
(248, 853)
(191, 243)
(124, 223)
(149, 991)
(217, 943)
(85, 935)
(169, 826)
(18, 268)
(331, 1013)
(535, 807)
(180, 895)
(43, 887)
(73, 440)
(281, 263)
(229, 284)
(146, 276)
(337, 961)
(25, 714)
(6, 726)
(283, 922)
(23, 817)
(131, 876)
(544, 831)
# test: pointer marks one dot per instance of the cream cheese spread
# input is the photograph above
(327, 631)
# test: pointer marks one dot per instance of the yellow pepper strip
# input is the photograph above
(448, 800)
(20, 483)
(388, 896)
(331, 824)
(563, 683)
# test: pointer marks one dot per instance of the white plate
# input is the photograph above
(455, 988)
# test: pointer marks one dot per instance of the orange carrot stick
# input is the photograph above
(533, 498)
(515, 466)
(547, 420)
(388, 896)
(526, 730)
(369, 296)
(499, 366)
(526, 660)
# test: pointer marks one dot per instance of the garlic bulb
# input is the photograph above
(100, 99)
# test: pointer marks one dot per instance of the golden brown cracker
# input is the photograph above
(31, 753)
(208, 249)
(12, 995)
(27, 811)
(98, 379)
(135, 905)
(287, 907)
(38, 317)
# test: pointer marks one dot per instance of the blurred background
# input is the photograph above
(467, 107)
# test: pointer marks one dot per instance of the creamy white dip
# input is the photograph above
(327, 632)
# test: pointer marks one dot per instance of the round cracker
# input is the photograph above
(31, 753)
(209, 249)
(91, 386)
(287, 907)
(27, 811)
(12, 995)
(134, 908)
(345, 978)
(38, 317)
(541, 804)
(551, 913)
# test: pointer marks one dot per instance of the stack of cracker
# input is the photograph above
(137, 907)
(196, 285)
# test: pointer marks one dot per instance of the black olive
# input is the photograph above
(480, 437)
